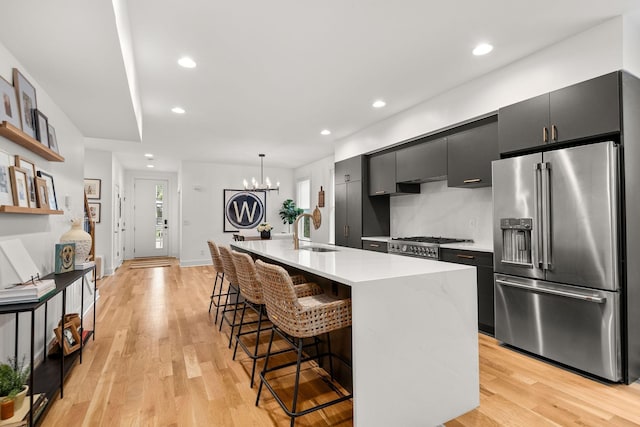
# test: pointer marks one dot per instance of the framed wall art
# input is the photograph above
(53, 140)
(9, 110)
(26, 94)
(42, 127)
(94, 211)
(65, 257)
(51, 190)
(30, 167)
(42, 194)
(19, 187)
(6, 193)
(69, 337)
(92, 188)
(243, 209)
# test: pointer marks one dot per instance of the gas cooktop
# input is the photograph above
(420, 246)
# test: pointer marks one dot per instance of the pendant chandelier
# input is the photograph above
(264, 184)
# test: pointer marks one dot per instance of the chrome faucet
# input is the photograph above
(316, 218)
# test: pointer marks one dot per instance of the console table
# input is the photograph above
(48, 377)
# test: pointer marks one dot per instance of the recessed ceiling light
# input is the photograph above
(178, 110)
(482, 49)
(150, 166)
(149, 155)
(187, 62)
(325, 132)
(379, 103)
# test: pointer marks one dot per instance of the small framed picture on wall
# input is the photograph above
(92, 188)
(94, 211)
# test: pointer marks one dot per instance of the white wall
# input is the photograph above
(117, 174)
(320, 173)
(97, 165)
(586, 55)
(39, 233)
(171, 198)
(201, 192)
(631, 43)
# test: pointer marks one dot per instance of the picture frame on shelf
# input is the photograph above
(9, 110)
(95, 211)
(69, 337)
(19, 186)
(92, 188)
(42, 193)
(30, 167)
(65, 257)
(6, 192)
(27, 102)
(53, 140)
(42, 127)
(51, 189)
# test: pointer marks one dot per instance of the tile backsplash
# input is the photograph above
(442, 211)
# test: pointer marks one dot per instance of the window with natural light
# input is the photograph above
(303, 201)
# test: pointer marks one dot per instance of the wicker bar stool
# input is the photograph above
(294, 319)
(217, 265)
(251, 291)
(230, 274)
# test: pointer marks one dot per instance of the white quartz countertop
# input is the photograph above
(470, 246)
(346, 265)
(377, 238)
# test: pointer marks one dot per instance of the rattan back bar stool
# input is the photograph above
(217, 265)
(294, 319)
(251, 291)
(233, 305)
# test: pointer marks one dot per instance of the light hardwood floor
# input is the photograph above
(158, 360)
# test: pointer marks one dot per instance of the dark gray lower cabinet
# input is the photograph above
(483, 261)
(374, 245)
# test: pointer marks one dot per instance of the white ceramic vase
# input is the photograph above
(81, 238)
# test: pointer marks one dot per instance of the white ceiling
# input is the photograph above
(271, 74)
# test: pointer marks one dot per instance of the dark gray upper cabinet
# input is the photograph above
(349, 169)
(469, 156)
(423, 162)
(583, 110)
(382, 174)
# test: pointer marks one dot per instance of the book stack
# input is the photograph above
(31, 292)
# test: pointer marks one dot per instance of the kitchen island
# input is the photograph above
(414, 330)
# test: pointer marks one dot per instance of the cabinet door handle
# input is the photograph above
(465, 256)
(344, 231)
(347, 231)
(545, 134)
(472, 181)
(380, 192)
(374, 245)
(554, 132)
(347, 178)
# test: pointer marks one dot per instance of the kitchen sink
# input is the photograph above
(317, 249)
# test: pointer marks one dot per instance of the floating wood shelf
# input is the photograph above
(16, 135)
(33, 211)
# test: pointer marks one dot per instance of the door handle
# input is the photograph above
(537, 177)
(465, 256)
(374, 245)
(582, 297)
(380, 192)
(471, 181)
(546, 215)
(545, 134)
(347, 231)
(554, 132)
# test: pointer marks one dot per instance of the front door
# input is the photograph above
(150, 218)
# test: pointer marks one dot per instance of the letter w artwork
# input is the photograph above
(243, 209)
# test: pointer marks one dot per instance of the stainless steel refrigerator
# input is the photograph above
(556, 244)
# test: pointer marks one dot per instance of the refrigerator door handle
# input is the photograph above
(582, 297)
(546, 215)
(537, 176)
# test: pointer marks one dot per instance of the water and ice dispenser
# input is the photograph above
(516, 240)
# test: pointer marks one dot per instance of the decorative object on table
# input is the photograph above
(42, 127)
(19, 266)
(243, 209)
(289, 212)
(94, 211)
(19, 186)
(53, 140)
(264, 184)
(6, 194)
(26, 94)
(6, 408)
(30, 167)
(9, 110)
(321, 197)
(81, 238)
(13, 382)
(69, 337)
(53, 202)
(42, 193)
(265, 230)
(65, 257)
(92, 188)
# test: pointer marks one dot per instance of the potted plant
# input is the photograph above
(13, 379)
(289, 212)
(265, 230)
